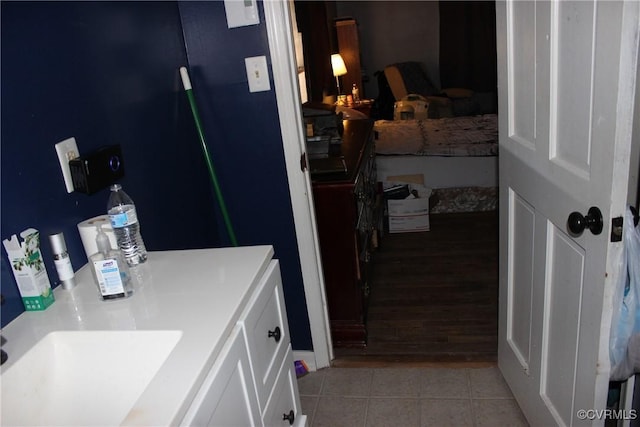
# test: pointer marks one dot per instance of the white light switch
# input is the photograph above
(257, 73)
(241, 13)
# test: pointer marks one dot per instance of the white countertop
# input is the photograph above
(199, 292)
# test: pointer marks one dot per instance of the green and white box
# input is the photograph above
(29, 270)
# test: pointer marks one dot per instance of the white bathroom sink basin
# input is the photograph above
(83, 378)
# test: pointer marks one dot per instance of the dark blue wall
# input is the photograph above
(107, 72)
(243, 133)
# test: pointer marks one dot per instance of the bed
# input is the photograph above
(458, 157)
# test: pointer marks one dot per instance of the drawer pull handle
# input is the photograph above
(289, 417)
(275, 334)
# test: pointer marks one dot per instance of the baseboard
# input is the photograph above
(308, 357)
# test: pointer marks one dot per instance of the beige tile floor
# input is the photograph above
(368, 397)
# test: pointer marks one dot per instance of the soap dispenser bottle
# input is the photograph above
(110, 270)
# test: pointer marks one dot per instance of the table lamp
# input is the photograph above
(339, 69)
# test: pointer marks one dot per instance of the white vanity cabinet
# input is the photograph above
(230, 364)
(252, 382)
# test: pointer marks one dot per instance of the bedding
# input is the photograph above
(466, 136)
(457, 156)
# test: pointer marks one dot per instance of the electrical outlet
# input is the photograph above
(67, 150)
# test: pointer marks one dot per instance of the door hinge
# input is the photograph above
(616, 229)
(303, 162)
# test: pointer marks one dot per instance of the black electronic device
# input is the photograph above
(97, 170)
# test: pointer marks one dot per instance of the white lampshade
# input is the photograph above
(337, 64)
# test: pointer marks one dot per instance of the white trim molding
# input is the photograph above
(283, 64)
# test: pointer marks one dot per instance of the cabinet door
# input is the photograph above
(283, 409)
(267, 331)
(227, 397)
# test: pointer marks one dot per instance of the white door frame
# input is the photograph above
(283, 64)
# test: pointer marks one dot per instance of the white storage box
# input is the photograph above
(409, 223)
(410, 214)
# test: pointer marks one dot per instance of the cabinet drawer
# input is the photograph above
(266, 331)
(283, 409)
(227, 396)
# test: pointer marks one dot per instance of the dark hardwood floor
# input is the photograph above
(434, 295)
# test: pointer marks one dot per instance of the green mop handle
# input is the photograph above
(186, 82)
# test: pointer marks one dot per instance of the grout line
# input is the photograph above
(400, 398)
(324, 378)
(366, 413)
(347, 396)
(366, 408)
(474, 422)
(315, 407)
(493, 398)
(315, 411)
(351, 396)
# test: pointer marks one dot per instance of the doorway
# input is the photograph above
(634, 150)
(279, 19)
(422, 282)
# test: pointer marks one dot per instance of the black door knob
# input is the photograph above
(291, 417)
(593, 221)
(275, 334)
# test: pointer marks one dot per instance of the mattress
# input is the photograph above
(465, 136)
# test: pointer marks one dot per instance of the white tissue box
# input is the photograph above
(29, 270)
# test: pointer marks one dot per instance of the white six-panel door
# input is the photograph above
(566, 77)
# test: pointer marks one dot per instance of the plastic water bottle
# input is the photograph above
(124, 220)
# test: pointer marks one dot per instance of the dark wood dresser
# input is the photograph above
(349, 217)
